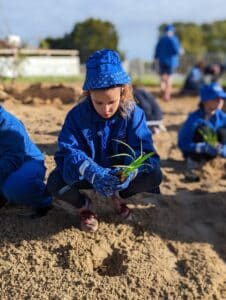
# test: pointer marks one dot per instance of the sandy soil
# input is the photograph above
(174, 248)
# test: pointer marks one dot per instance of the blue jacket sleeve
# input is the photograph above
(71, 146)
(185, 137)
(138, 133)
(14, 152)
(156, 56)
(175, 45)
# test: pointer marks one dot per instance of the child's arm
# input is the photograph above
(72, 145)
(175, 45)
(185, 137)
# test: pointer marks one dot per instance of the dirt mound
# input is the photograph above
(44, 94)
(215, 168)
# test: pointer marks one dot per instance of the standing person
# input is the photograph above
(22, 167)
(207, 120)
(167, 55)
(89, 139)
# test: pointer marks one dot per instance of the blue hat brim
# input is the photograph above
(106, 80)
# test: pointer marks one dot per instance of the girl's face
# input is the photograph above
(211, 105)
(106, 102)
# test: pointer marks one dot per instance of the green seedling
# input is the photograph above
(136, 162)
(209, 136)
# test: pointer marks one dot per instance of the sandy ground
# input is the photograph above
(174, 248)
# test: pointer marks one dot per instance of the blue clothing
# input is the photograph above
(26, 185)
(186, 134)
(195, 74)
(194, 81)
(143, 182)
(149, 104)
(17, 151)
(86, 134)
(167, 51)
(15, 145)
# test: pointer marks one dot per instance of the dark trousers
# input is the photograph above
(142, 183)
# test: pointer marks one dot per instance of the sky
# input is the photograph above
(135, 21)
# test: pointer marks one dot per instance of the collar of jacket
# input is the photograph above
(214, 118)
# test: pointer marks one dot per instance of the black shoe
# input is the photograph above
(41, 212)
(191, 176)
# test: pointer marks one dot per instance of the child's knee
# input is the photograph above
(10, 190)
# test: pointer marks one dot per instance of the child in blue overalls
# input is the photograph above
(22, 169)
(167, 55)
(87, 142)
(209, 117)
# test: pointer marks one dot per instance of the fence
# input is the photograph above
(39, 62)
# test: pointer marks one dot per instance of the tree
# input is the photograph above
(191, 37)
(215, 36)
(87, 37)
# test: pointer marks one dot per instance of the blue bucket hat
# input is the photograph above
(212, 91)
(169, 27)
(103, 70)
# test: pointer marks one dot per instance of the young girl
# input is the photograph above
(88, 140)
(209, 118)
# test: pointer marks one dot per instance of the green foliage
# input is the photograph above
(200, 39)
(87, 37)
(209, 136)
(136, 162)
(215, 36)
(44, 44)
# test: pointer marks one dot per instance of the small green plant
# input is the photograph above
(136, 162)
(209, 136)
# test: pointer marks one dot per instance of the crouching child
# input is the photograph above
(203, 135)
(22, 169)
(94, 133)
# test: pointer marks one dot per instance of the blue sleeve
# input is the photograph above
(71, 146)
(175, 45)
(185, 137)
(223, 118)
(156, 56)
(13, 152)
(138, 133)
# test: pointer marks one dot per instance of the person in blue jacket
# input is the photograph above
(93, 132)
(208, 119)
(167, 56)
(22, 169)
(194, 80)
(151, 109)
